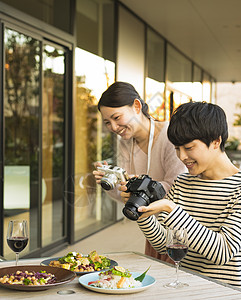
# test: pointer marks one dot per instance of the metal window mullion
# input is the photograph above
(2, 136)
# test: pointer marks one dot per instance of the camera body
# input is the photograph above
(113, 175)
(143, 191)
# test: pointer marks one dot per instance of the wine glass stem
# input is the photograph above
(17, 257)
(177, 268)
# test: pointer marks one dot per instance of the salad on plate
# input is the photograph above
(78, 262)
(28, 278)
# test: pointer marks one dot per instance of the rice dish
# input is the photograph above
(113, 283)
(116, 278)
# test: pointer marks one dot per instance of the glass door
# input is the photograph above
(21, 115)
(53, 140)
(34, 140)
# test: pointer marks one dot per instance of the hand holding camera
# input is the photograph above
(113, 175)
(143, 191)
(99, 174)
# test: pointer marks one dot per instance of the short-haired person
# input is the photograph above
(143, 147)
(206, 201)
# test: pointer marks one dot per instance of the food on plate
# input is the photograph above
(77, 262)
(28, 278)
(116, 278)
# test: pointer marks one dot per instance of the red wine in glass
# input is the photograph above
(17, 244)
(177, 251)
(177, 247)
(17, 236)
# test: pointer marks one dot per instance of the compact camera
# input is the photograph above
(113, 175)
(143, 191)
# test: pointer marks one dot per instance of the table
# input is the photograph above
(199, 287)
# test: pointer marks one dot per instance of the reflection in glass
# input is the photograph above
(21, 120)
(53, 143)
(155, 56)
(92, 208)
(213, 91)
(179, 68)
(155, 77)
(155, 98)
(174, 98)
(197, 84)
(179, 80)
(95, 27)
(206, 87)
(95, 71)
(55, 13)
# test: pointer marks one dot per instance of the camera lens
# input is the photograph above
(131, 213)
(108, 182)
(131, 207)
(106, 185)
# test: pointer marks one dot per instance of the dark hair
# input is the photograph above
(198, 120)
(120, 94)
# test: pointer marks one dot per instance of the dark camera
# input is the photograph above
(143, 191)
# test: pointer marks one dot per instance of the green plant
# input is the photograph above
(237, 121)
(232, 143)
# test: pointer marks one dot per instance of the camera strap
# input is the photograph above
(150, 143)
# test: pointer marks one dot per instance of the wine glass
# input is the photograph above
(177, 246)
(17, 236)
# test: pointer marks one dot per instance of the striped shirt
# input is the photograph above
(211, 212)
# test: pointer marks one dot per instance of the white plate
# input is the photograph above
(146, 283)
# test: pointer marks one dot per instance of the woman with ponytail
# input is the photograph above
(143, 147)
